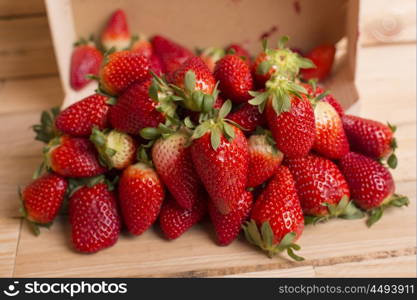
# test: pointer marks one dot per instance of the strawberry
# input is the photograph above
(95, 222)
(121, 69)
(321, 188)
(238, 50)
(371, 185)
(220, 155)
(85, 60)
(322, 56)
(116, 149)
(155, 65)
(172, 159)
(211, 55)
(278, 214)
(290, 118)
(234, 77)
(142, 46)
(331, 140)
(280, 61)
(136, 109)
(175, 220)
(116, 34)
(228, 226)
(264, 158)
(42, 199)
(79, 118)
(193, 80)
(172, 55)
(140, 194)
(248, 117)
(371, 138)
(315, 91)
(72, 157)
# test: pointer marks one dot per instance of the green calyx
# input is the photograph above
(46, 130)
(108, 143)
(163, 94)
(47, 150)
(285, 62)
(278, 90)
(192, 98)
(264, 239)
(217, 126)
(215, 53)
(74, 184)
(392, 160)
(393, 201)
(345, 209)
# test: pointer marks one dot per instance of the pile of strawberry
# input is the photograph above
(174, 136)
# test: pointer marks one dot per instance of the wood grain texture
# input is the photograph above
(25, 48)
(21, 8)
(9, 237)
(403, 266)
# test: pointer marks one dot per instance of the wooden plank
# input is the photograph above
(195, 253)
(9, 236)
(385, 22)
(25, 48)
(403, 266)
(35, 94)
(13, 8)
(294, 273)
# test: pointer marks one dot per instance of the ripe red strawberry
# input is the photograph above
(371, 138)
(331, 140)
(122, 69)
(116, 149)
(95, 222)
(80, 118)
(322, 57)
(316, 91)
(371, 185)
(72, 157)
(155, 65)
(135, 109)
(278, 214)
(116, 34)
(321, 188)
(42, 199)
(140, 194)
(85, 60)
(171, 54)
(211, 55)
(248, 117)
(280, 61)
(172, 159)
(193, 78)
(238, 50)
(221, 158)
(234, 77)
(228, 226)
(264, 158)
(142, 46)
(293, 127)
(175, 220)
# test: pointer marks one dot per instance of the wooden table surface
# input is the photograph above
(386, 80)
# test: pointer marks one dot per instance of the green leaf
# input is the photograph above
(228, 130)
(374, 215)
(188, 123)
(259, 99)
(153, 90)
(254, 234)
(305, 63)
(283, 41)
(264, 44)
(208, 102)
(392, 127)
(38, 171)
(189, 81)
(201, 130)
(286, 103)
(392, 161)
(267, 235)
(294, 256)
(225, 109)
(110, 152)
(150, 133)
(399, 201)
(263, 67)
(215, 138)
(287, 240)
